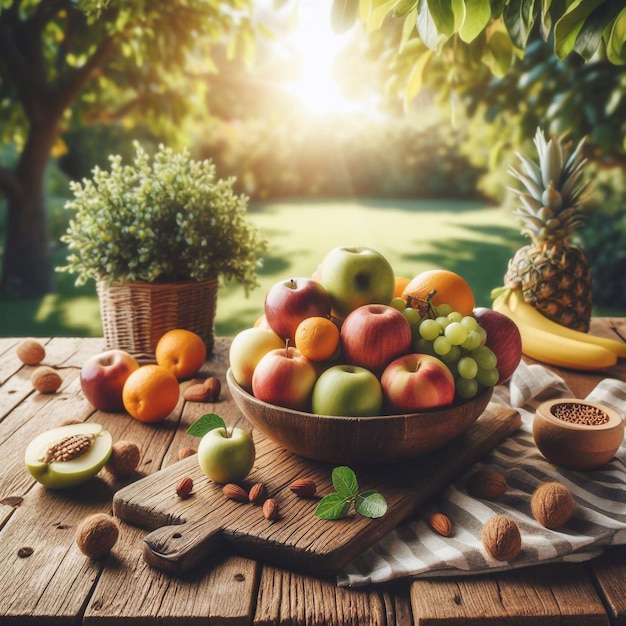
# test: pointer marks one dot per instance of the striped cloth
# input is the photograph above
(414, 550)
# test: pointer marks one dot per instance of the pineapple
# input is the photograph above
(552, 273)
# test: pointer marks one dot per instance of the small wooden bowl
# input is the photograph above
(358, 440)
(576, 434)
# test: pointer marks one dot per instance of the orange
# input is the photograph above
(401, 283)
(317, 338)
(181, 351)
(450, 289)
(150, 393)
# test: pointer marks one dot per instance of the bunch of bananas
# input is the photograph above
(555, 344)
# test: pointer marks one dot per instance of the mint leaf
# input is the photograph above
(345, 482)
(333, 506)
(370, 504)
(204, 424)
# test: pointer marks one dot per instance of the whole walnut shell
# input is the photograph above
(501, 538)
(486, 483)
(30, 352)
(46, 379)
(97, 534)
(124, 459)
(552, 504)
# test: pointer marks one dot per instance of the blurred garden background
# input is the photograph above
(390, 124)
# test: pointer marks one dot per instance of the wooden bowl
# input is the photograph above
(358, 440)
(577, 434)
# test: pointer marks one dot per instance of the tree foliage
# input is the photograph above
(64, 63)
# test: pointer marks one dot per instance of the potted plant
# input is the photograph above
(158, 236)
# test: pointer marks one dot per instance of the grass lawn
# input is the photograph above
(469, 238)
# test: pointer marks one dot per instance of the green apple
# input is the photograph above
(246, 350)
(92, 445)
(347, 390)
(354, 276)
(226, 456)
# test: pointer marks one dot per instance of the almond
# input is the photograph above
(213, 388)
(183, 453)
(303, 487)
(45, 379)
(270, 509)
(30, 352)
(257, 494)
(184, 487)
(235, 492)
(440, 523)
(196, 393)
(487, 484)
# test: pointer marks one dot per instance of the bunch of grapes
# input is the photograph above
(458, 340)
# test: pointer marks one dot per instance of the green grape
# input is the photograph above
(423, 346)
(452, 356)
(442, 321)
(468, 368)
(487, 377)
(398, 303)
(441, 345)
(466, 388)
(473, 340)
(444, 309)
(455, 316)
(469, 322)
(483, 333)
(412, 315)
(456, 333)
(485, 357)
(429, 329)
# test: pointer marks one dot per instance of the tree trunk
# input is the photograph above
(27, 270)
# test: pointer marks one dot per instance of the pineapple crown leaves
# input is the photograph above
(553, 188)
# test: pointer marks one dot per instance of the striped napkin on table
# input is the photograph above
(414, 550)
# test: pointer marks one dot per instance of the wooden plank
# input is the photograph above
(187, 530)
(286, 597)
(609, 573)
(129, 590)
(551, 594)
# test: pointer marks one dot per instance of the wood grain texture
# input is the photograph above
(552, 594)
(188, 531)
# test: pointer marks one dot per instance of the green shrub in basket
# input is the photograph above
(166, 218)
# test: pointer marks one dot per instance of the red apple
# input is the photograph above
(290, 301)
(102, 378)
(373, 335)
(416, 382)
(503, 338)
(285, 378)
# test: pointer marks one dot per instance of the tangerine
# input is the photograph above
(401, 283)
(150, 393)
(181, 351)
(448, 288)
(317, 338)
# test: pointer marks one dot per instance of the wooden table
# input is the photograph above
(56, 584)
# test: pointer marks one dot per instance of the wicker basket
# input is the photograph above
(135, 315)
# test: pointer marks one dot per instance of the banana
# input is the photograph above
(547, 347)
(531, 316)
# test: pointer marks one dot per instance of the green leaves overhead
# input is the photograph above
(494, 32)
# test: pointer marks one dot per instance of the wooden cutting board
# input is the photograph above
(185, 532)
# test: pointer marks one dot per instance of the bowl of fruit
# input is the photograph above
(354, 365)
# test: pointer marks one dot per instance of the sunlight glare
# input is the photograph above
(317, 47)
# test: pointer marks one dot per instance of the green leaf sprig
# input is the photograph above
(205, 423)
(338, 504)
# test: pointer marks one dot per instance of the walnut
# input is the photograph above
(45, 379)
(552, 504)
(124, 459)
(501, 538)
(97, 534)
(487, 484)
(30, 352)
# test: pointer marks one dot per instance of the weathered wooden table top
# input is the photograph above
(56, 584)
